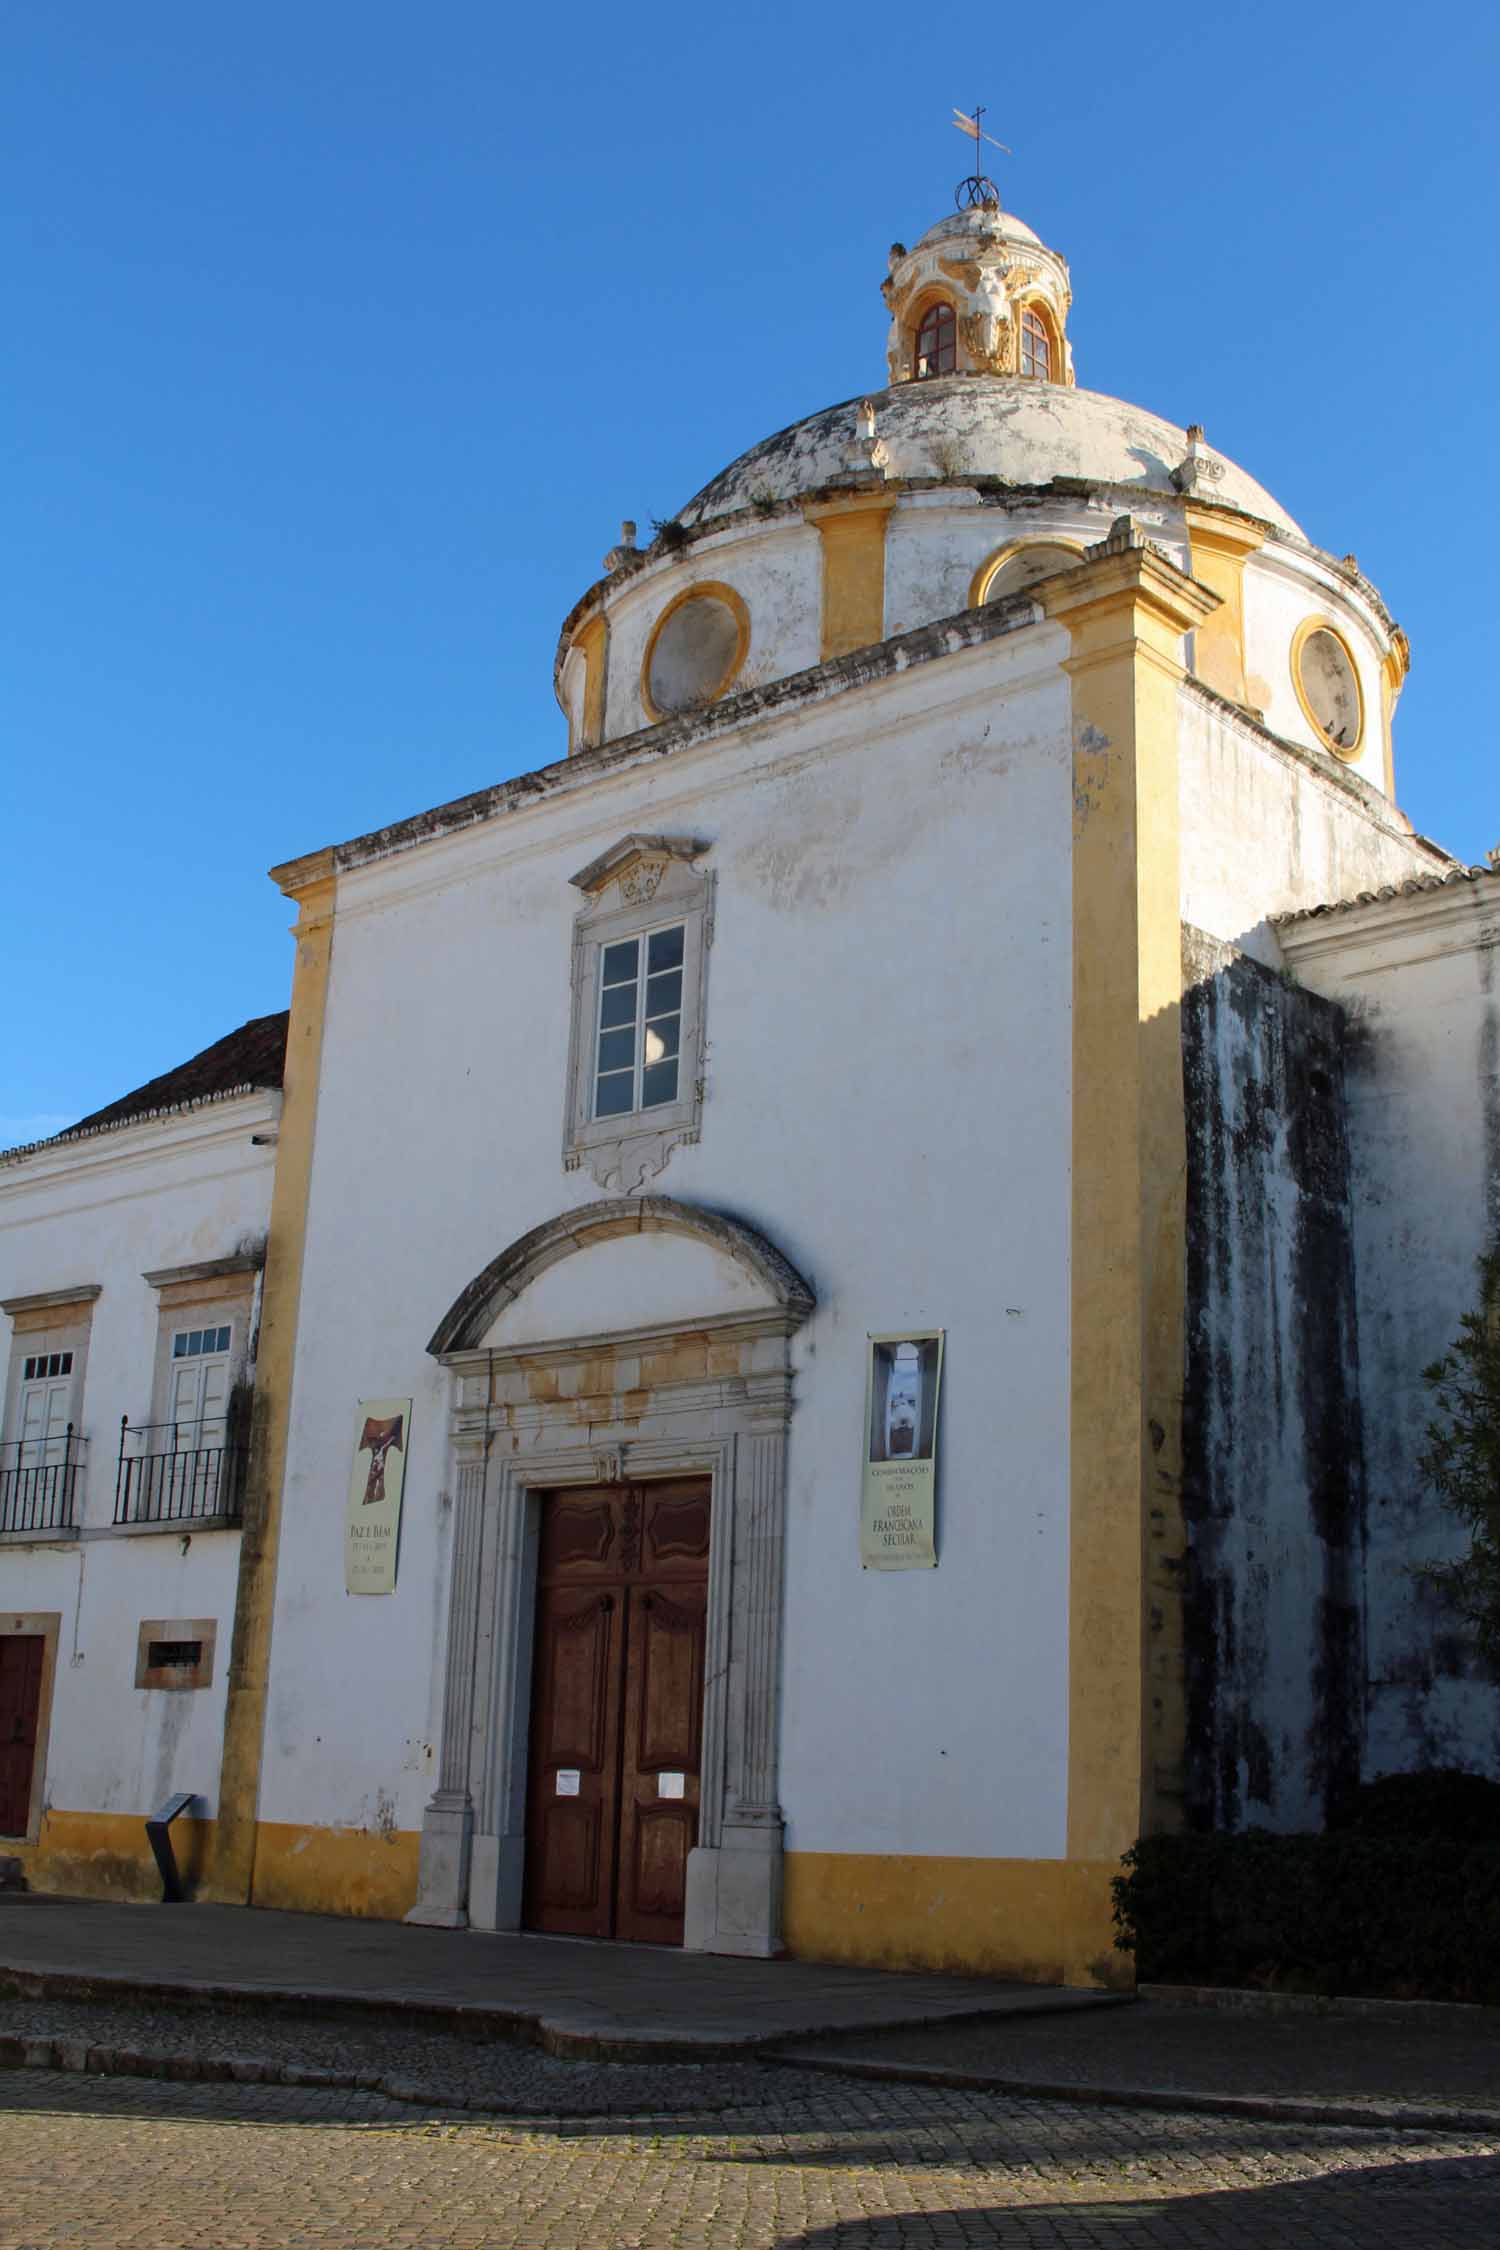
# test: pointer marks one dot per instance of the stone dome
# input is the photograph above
(981, 224)
(958, 428)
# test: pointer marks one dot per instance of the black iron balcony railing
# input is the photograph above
(39, 1482)
(180, 1472)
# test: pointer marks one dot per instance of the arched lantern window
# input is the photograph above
(1036, 345)
(936, 340)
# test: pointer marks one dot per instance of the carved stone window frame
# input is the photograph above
(711, 1397)
(639, 884)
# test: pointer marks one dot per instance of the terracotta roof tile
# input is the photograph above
(255, 1055)
(1410, 888)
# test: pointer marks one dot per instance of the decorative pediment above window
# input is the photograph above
(637, 864)
(640, 967)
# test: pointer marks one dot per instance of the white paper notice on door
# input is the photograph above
(567, 1781)
(671, 1784)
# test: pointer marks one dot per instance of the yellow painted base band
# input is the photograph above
(366, 1871)
(106, 1855)
(1044, 1921)
(362, 1871)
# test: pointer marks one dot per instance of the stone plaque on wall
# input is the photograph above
(897, 1513)
(372, 1518)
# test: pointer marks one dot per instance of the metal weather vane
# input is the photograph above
(978, 190)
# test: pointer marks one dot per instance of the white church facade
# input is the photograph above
(974, 911)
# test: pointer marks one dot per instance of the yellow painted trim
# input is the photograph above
(1219, 546)
(222, 1289)
(1394, 668)
(1039, 305)
(931, 293)
(360, 1871)
(312, 883)
(592, 645)
(106, 1855)
(363, 1871)
(1303, 634)
(70, 1312)
(985, 576)
(853, 536)
(705, 589)
(1046, 1921)
(1127, 612)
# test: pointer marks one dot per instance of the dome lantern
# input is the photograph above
(979, 295)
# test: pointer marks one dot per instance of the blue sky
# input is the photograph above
(342, 336)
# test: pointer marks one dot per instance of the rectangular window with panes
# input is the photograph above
(639, 1051)
(200, 1385)
(46, 1408)
(640, 973)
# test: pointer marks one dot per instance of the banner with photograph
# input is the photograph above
(372, 1519)
(897, 1513)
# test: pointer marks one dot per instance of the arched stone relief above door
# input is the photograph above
(627, 1341)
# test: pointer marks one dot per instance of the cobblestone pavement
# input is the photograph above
(88, 2163)
(1328, 2060)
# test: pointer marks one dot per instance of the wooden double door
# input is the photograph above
(617, 1709)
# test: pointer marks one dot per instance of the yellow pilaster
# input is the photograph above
(1392, 680)
(1126, 611)
(593, 645)
(853, 536)
(1219, 545)
(230, 1874)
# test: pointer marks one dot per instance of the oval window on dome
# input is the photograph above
(937, 341)
(696, 647)
(1327, 687)
(1016, 568)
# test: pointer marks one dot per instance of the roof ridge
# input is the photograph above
(85, 1132)
(1410, 886)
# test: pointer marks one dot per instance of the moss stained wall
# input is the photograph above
(1273, 1482)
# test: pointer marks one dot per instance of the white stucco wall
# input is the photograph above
(777, 573)
(108, 1209)
(1266, 830)
(886, 1099)
(1417, 976)
(937, 541)
(1284, 586)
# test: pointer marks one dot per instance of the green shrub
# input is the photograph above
(1345, 1912)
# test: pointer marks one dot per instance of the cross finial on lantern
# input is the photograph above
(978, 189)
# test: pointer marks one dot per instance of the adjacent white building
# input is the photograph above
(130, 1277)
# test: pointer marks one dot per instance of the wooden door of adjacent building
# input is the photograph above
(21, 1657)
(617, 1709)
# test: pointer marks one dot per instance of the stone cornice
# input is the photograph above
(925, 644)
(211, 1269)
(141, 1140)
(1403, 925)
(48, 1300)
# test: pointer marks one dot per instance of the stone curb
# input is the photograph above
(511, 2027)
(1270, 2108)
(1442, 2015)
(18, 2052)
(480, 2022)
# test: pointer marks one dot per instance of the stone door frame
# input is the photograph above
(698, 1398)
